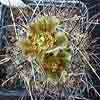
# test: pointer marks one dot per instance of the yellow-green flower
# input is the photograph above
(42, 37)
